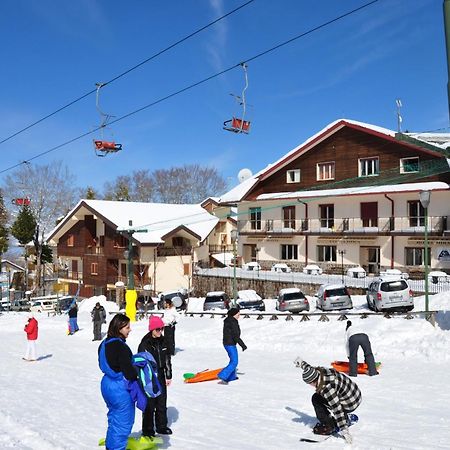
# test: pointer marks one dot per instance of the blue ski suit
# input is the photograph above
(121, 409)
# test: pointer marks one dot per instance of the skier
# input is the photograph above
(31, 328)
(336, 395)
(155, 413)
(170, 319)
(356, 338)
(73, 313)
(115, 361)
(98, 315)
(231, 337)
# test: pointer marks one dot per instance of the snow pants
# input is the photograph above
(228, 373)
(155, 413)
(169, 337)
(98, 330)
(356, 341)
(322, 410)
(30, 354)
(73, 325)
(120, 412)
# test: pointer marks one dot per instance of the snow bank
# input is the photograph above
(87, 305)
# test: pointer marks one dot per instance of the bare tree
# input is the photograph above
(135, 188)
(52, 191)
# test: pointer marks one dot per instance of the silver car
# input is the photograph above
(216, 300)
(390, 293)
(292, 300)
(333, 297)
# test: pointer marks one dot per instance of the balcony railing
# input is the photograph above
(174, 251)
(69, 274)
(346, 225)
(220, 248)
(93, 250)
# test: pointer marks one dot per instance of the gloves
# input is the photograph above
(244, 347)
(298, 361)
(347, 436)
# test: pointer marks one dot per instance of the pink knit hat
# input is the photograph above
(155, 322)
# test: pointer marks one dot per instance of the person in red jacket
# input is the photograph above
(31, 328)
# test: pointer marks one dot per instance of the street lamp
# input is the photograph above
(234, 238)
(425, 197)
(342, 253)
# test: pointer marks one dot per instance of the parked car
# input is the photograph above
(251, 266)
(249, 299)
(42, 306)
(388, 293)
(312, 269)
(333, 297)
(292, 300)
(169, 295)
(216, 300)
(20, 305)
(280, 267)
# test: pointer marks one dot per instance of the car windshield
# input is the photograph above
(214, 298)
(293, 296)
(392, 286)
(337, 292)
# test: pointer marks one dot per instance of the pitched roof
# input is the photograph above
(159, 219)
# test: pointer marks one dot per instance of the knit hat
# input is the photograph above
(349, 324)
(310, 374)
(232, 312)
(155, 322)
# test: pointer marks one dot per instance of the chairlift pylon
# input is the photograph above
(104, 147)
(239, 125)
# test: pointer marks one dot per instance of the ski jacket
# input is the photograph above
(31, 328)
(170, 317)
(98, 314)
(340, 392)
(232, 332)
(73, 311)
(115, 359)
(158, 349)
(352, 330)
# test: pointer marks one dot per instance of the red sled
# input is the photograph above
(343, 366)
(206, 375)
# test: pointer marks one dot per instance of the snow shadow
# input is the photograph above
(172, 414)
(44, 357)
(443, 320)
(302, 418)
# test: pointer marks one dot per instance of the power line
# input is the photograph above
(126, 72)
(191, 86)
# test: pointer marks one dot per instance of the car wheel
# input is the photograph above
(369, 305)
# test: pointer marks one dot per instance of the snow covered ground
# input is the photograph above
(55, 403)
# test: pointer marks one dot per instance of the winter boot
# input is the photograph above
(322, 429)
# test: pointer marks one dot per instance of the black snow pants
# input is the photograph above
(354, 342)
(155, 413)
(322, 410)
(169, 337)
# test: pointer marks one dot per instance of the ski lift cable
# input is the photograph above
(126, 72)
(191, 86)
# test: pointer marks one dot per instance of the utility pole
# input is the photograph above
(447, 44)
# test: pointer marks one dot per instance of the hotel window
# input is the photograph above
(70, 240)
(326, 253)
(415, 256)
(416, 214)
(94, 268)
(326, 216)
(369, 167)
(255, 218)
(325, 171)
(289, 217)
(293, 176)
(289, 251)
(409, 165)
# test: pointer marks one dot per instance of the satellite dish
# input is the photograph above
(244, 174)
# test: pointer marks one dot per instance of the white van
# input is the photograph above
(42, 306)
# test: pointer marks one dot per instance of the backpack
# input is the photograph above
(147, 373)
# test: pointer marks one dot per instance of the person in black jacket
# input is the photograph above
(156, 411)
(73, 318)
(231, 337)
(114, 358)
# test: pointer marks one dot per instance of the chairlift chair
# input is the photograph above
(21, 201)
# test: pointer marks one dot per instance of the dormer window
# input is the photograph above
(369, 167)
(409, 165)
(293, 176)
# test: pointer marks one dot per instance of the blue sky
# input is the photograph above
(55, 51)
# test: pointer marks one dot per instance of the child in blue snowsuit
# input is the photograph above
(115, 361)
(231, 337)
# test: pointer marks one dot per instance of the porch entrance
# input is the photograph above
(370, 259)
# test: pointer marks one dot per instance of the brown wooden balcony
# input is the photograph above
(69, 275)
(220, 248)
(174, 251)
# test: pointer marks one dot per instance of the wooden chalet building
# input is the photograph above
(92, 244)
(348, 196)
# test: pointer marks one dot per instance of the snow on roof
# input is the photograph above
(224, 258)
(289, 291)
(236, 194)
(441, 140)
(361, 190)
(158, 219)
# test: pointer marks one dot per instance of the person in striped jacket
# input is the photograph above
(336, 395)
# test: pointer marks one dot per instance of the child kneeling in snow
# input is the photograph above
(336, 395)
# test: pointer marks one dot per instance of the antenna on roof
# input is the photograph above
(244, 174)
(399, 117)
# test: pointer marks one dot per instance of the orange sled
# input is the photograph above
(206, 375)
(342, 366)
